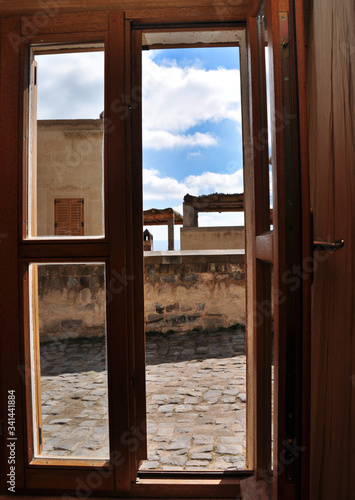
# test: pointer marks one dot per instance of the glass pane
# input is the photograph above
(68, 359)
(269, 135)
(66, 181)
(194, 261)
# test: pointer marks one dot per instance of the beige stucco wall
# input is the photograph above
(209, 238)
(69, 165)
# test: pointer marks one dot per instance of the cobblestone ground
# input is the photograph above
(195, 400)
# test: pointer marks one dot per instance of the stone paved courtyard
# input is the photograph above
(196, 400)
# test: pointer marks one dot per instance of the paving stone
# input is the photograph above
(150, 464)
(159, 397)
(201, 456)
(196, 463)
(191, 393)
(177, 444)
(203, 439)
(228, 399)
(165, 431)
(51, 428)
(60, 421)
(173, 460)
(204, 449)
(225, 449)
(166, 408)
(190, 400)
(183, 408)
(66, 445)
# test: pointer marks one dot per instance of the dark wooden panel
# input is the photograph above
(187, 488)
(260, 283)
(42, 23)
(55, 249)
(64, 478)
(307, 240)
(331, 66)
(118, 290)
(9, 7)
(10, 352)
(130, 208)
(137, 227)
(217, 13)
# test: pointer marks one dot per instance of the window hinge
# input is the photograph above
(82, 224)
(40, 435)
(1, 427)
(56, 224)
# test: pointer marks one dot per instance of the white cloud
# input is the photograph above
(212, 182)
(194, 154)
(157, 188)
(160, 139)
(161, 188)
(178, 98)
(70, 86)
(223, 219)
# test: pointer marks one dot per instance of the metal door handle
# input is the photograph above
(328, 246)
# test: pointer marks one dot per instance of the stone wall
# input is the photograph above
(201, 290)
(71, 301)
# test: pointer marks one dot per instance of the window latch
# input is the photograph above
(328, 246)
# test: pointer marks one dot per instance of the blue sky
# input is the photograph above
(191, 130)
(192, 140)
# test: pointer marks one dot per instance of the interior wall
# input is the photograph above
(331, 94)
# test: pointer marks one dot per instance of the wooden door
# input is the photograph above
(280, 253)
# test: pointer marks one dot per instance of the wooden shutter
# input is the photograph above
(69, 216)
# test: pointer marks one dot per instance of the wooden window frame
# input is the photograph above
(112, 29)
(137, 46)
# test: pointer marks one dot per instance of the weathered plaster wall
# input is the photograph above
(183, 291)
(69, 165)
(208, 238)
(71, 301)
(187, 290)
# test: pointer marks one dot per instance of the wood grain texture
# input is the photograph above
(33, 7)
(331, 94)
(224, 12)
(117, 342)
(10, 348)
(307, 241)
(42, 23)
(59, 250)
(258, 283)
(136, 200)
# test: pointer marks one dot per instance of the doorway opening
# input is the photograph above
(194, 270)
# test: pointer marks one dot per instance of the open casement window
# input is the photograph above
(100, 272)
(280, 249)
